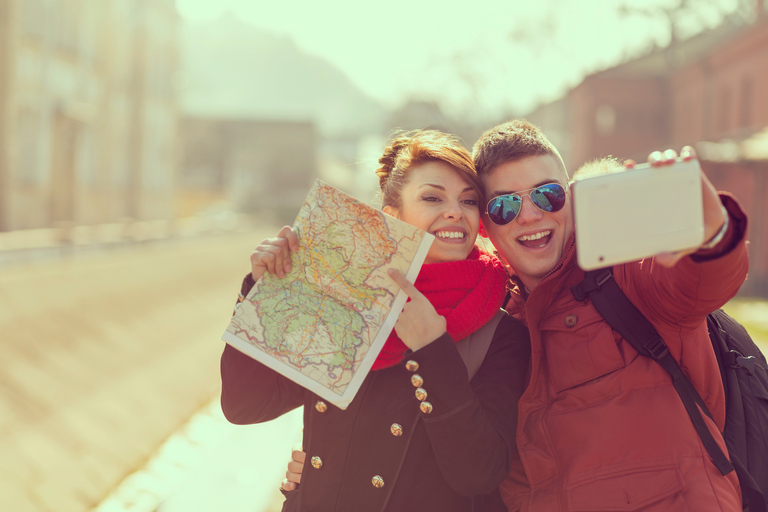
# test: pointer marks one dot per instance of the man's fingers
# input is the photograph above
(299, 456)
(688, 153)
(295, 468)
(659, 158)
(287, 485)
(655, 158)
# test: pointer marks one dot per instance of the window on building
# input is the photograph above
(68, 26)
(605, 119)
(32, 18)
(86, 164)
(724, 111)
(746, 103)
(28, 146)
(119, 152)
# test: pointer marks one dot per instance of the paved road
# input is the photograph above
(104, 357)
(110, 370)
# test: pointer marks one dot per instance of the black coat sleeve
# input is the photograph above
(472, 426)
(250, 391)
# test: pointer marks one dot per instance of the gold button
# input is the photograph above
(377, 482)
(570, 320)
(320, 406)
(425, 407)
(316, 462)
(416, 380)
(396, 429)
(411, 365)
(421, 393)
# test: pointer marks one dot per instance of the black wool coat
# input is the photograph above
(384, 453)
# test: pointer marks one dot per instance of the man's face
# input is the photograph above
(534, 241)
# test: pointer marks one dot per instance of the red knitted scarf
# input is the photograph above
(468, 293)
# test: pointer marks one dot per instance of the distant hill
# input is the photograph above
(232, 69)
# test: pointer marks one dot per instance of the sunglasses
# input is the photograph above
(547, 198)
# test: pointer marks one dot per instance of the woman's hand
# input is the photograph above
(295, 468)
(274, 254)
(419, 324)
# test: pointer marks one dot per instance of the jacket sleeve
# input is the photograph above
(250, 391)
(472, 425)
(683, 295)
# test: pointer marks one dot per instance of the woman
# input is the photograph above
(394, 448)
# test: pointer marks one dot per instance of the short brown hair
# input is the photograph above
(511, 141)
(411, 149)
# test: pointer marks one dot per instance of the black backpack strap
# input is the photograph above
(751, 494)
(610, 301)
(737, 353)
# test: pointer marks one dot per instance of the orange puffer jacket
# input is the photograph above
(602, 428)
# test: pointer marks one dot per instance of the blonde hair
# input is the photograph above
(598, 167)
(411, 149)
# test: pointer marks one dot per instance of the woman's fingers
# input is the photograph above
(419, 324)
(404, 284)
(290, 235)
(273, 254)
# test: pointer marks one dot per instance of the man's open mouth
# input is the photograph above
(535, 240)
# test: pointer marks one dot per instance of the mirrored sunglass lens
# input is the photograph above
(549, 198)
(503, 209)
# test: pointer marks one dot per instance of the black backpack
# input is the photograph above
(743, 369)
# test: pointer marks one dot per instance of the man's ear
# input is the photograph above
(389, 210)
(483, 233)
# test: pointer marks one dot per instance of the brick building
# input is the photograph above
(707, 91)
(88, 111)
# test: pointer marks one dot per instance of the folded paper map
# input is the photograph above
(324, 323)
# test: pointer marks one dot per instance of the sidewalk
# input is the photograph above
(210, 465)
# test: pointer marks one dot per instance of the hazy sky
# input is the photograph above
(484, 56)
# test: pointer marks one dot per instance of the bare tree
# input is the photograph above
(682, 18)
(685, 18)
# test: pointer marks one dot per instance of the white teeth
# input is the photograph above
(535, 237)
(449, 234)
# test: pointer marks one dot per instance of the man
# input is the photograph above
(600, 427)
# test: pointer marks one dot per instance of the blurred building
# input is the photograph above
(708, 91)
(88, 111)
(252, 165)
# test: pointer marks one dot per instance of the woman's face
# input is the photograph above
(437, 199)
